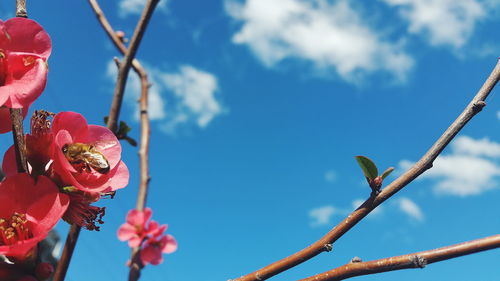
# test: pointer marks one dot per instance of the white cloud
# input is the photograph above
(468, 170)
(181, 98)
(330, 176)
(443, 22)
(410, 208)
(482, 147)
(324, 33)
(195, 90)
(322, 215)
(135, 7)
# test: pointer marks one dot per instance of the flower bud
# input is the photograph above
(44, 271)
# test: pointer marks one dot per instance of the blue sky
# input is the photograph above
(259, 107)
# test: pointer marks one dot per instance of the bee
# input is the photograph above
(85, 157)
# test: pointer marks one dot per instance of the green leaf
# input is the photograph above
(106, 118)
(369, 168)
(124, 128)
(387, 172)
(131, 141)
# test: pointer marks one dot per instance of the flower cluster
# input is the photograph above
(82, 160)
(147, 235)
(71, 164)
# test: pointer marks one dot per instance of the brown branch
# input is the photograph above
(16, 115)
(126, 63)
(325, 243)
(115, 107)
(69, 247)
(415, 260)
(16, 118)
(21, 9)
(135, 266)
(143, 105)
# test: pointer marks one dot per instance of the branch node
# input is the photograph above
(328, 247)
(478, 106)
(428, 166)
(258, 277)
(356, 260)
(418, 261)
(117, 62)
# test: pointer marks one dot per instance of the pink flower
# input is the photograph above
(138, 227)
(28, 212)
(87, 156)
(153, 249)
(141, 231)
(24, 49)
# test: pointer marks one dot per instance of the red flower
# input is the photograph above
(28, 212)
(24, 49)
(87, 156)
(81, 213)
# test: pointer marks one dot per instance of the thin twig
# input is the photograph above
(415, 260)
(69, 247)
(101, 18)
(143, 105)
(16, 115)
(324, 244)
(115, 110)
(21, 9)
(135, 265)
(126, 63)
(16, 118)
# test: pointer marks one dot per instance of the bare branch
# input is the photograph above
(115, 106)
(69, 247)
(16, 117)
(421, 166)
(127, 61)
(136, 265)
(21, 9)
(143, 105)
(415, 260)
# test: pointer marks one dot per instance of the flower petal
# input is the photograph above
(170, 244)
(27, 35)
(25, 80)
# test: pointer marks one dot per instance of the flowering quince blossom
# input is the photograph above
(24, 49)
(153, 249)
(142, 232)
(87, 156)
(28, 211)
(73, 173)
(138, 227)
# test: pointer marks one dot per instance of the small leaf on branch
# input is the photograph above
(130, 140)
(369, 168)
(122, 132)
(387, 172)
